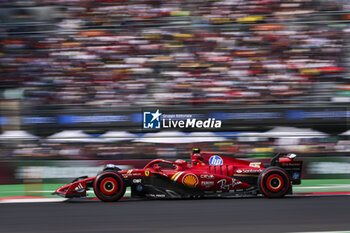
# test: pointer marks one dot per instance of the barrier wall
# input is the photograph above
(53, 119)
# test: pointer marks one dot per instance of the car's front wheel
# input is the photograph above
(274, 182)
(109, 186)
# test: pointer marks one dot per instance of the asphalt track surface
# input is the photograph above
(252, 215)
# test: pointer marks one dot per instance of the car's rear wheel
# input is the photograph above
(274, 182)
(109, 186)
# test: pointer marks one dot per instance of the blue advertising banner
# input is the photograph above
(230, 117)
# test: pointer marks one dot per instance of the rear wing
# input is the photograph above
(290, 165)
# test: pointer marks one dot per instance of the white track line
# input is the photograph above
(45, 191)
(32, 200)
(323, 232)
(39, 200)
(323, 186)
(33, 191)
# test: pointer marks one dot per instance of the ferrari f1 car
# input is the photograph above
(207, 175)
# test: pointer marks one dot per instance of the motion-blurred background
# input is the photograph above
(77, 74)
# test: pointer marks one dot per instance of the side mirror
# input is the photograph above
(157, 167)
(291, 156)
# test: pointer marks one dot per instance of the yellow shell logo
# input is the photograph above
(147, 173)
(190, 180)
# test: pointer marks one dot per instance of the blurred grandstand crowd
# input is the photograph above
(108, 53)
(177, 52)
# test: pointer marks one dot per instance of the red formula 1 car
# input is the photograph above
(207, 175)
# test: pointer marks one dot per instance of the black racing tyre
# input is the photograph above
(274, 182)
(109, 186)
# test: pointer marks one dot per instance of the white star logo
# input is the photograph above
(156, 115)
